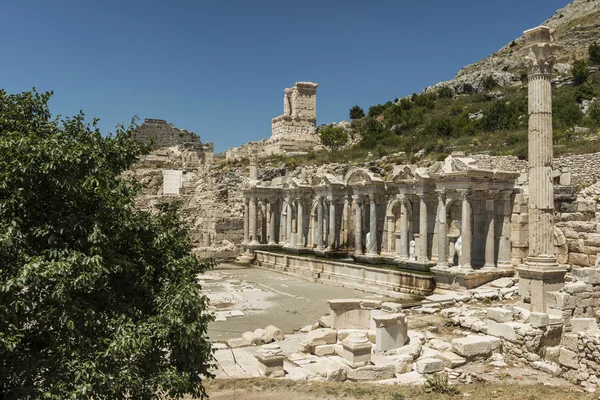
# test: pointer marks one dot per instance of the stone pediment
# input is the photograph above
(294, 183)
(325, 179)
(403, 173)
(362, 177)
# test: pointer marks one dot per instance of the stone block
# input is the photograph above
(357, 350)
(587, 325)
(560, 301)
(579, 259)
(472, 347)
(272, 333)
(235, 343)
(343, 333)
(499, 314)
(592, 239)
(502, 330)
(586, 205)
(335, 374)
(252, 338)
(568, 358)
(391, 331)
(539, 320)
(548, 367)
(586, 275)
(451, 360)
(576, 246)
(577, 287)
(372, 373)
(321, 336)
(429, 365)
(349, 314)
(270, 360)
(391, 308)
(324, 350)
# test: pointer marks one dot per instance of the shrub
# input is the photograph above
(438, 383)
(445, 92)
(376, 110)
(523, 76)
(356, 112)
(594, 53)
(500, 115)
(333, 137)
(565, 110)
(513, 43)
(489, 83)
(580, 72)
(585, 91)
(594, 112)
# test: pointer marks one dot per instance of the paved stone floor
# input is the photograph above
(247, 298)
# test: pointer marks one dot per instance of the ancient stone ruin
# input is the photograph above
(293, 132)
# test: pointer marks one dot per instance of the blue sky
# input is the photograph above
(219, 68)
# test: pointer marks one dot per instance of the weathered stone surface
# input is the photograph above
(499, 314)
(560, 301)
(372, 373)
(568, 358)
(336, 374)
(548, 367)
(321, 336)
(587, 275)
(272, 333)
(538, 320)
(472, 347)
(587, 325)
(237, 342)
(569, 341)
(504, 330)
(251, 338)
(451, 360)
(324, 350)
(502, 283)
(429, 365)
(577, 287)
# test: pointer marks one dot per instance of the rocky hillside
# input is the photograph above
(577, 26)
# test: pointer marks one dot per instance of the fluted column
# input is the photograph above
(373, 225)
(272, 208)
(264, 221)
(288, 222)
(390, 233)
(490, 242)
(442, 230)
(331, 236)
(357, 224)
(422, 228)
(403, 251)
(504, 244)
(253, 216)
(300, 241)
(320, 223)
(246, 222)
(466, 230)
(282, 232)
(345, 220)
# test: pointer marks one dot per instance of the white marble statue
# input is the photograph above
(458, 248)
(411, 250)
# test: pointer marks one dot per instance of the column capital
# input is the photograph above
(505, 194)
(541, 50)
(464, 194)
(442, 195)
(357, 198)
(372, 198)
(402, 198)
(330, 198)
(491, 194)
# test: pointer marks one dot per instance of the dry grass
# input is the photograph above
(287, 389)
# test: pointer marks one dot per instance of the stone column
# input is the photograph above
(541, 273)
(282, 232)
(442, 230)
(403, 255)
(331, 224)
(422, 256)
(264, 219)
(373, 226)
(504, 245)
(253, 216)
(272, 208)
(490, 242)
(246, 222)
(466, 230)
(288, 222)
(320, 223)
(357, 224)
(300, 241)
(346, 218)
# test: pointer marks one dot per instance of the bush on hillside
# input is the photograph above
(594, 53)
(445, 92)
(333, 137)
(489, 83)
(356, 112)
(580, 72)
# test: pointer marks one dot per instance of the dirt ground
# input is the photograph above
(277, 389)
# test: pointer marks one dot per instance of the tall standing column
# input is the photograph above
(466, 230)
(403, 255)
(288, 222)
(345, 221)
(264, 221)
(283, 227)
(357, 225)
(504, 244)
(320, 223)
(541, 273)
(331, 224)
(272, 208)
(300, 241)
(253, 216)
(246, 222)
(423, 228)
(490, 240)
(442, 230)
(373, 226)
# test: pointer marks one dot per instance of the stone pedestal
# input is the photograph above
(390, 331)
(357, 350)
(270, 361)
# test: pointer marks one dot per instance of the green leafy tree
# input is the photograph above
(580, 72)
(445, 92)
(356, 112)
(594, 53)
(98, 299)
(333, 137)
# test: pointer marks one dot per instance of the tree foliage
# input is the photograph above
(333, 137)
(98, 299)
(580, 72)
(594, 53)
(356, 112)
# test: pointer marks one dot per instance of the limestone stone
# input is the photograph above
(235, 343)
(335, 374)
(372, 373)
(587, 275)
(391, 331)
(321, 336)
(569, 341)
(357, 350)
(577, 287)
(538, 320)
(272, 333)
(348, 314)
(502, 283)
(451, 360)
(472, 347)
(499, 314)
(270, 360)
(560, 301)
(568, 358)
(429, 365)
(587, 325)
(506, 331)
(252, 338)
(324, 350)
